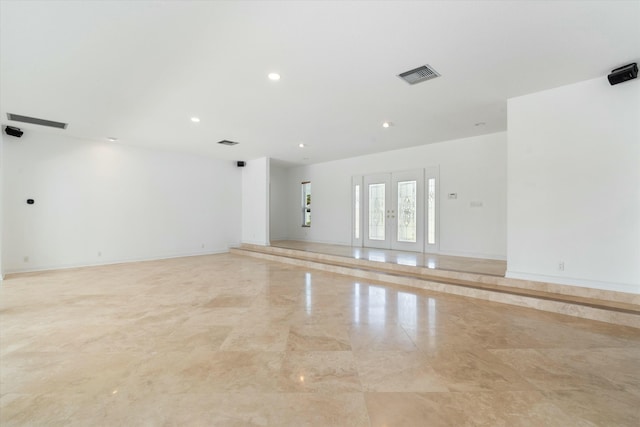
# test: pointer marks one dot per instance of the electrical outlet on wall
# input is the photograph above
(561, 266)
(26, 259)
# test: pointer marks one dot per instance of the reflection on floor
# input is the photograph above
(227, 340)
(433, 261)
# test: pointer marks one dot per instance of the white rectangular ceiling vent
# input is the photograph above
(420, 74)
(36, 121)
(227, 142)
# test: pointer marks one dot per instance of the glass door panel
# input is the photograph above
(377, 205)
(407, 200)
(393, 212)
(408, 203)
(377, 215)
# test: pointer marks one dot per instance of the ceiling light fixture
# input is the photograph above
(386, 124)
(274, 76)
(111, 139)
(195, 119)
(301, 145)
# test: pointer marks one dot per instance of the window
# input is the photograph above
(356, 212)
(431, 211)
(306, 204)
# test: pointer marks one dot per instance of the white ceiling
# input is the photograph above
(139, 70)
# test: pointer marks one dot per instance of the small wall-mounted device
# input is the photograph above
(13, 131)
(241, 164)
(30, 201)
(453, 195)
(622, 74)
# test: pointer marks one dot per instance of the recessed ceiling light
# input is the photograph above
(195, 119)
(112, 139)
(480, 124)
(301, 145)
(386, 124)
(274, 76)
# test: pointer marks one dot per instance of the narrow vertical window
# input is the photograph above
(431, 211)
(376, 211)
(356, 212)
(306, 204)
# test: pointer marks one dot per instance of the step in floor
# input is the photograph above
(607, 306)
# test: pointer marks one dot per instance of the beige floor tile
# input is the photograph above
(328, 336)
(204, 372)
(611, 408)
(466, 409)
(556, 370)
(475, 370)
(319, 371)
(42, 409)
(225, 340)
(225, 300)
(397, 371)
(51, 372)
(617, 366)
(380, 337)
(257, 338)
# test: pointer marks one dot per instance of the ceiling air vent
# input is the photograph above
(419, 74)
(226, 142)
(36, 121)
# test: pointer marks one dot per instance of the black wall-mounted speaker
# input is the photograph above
(241, 164)
(622, 74)
(10, 130)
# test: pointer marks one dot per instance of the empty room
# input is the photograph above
(319, 213)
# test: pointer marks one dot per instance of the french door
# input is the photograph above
(393, 211)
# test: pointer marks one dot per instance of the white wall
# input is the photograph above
(574, 185)
(474, 168)
(255, 202)
(126, 203)
(1, 198)
(278, 212)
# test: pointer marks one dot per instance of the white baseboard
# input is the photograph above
(325, 242)
(112, 261)
(255, 242)
(585, 283)
(473, 255)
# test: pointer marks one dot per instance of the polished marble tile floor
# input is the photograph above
(415, 259)
(227, 340)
